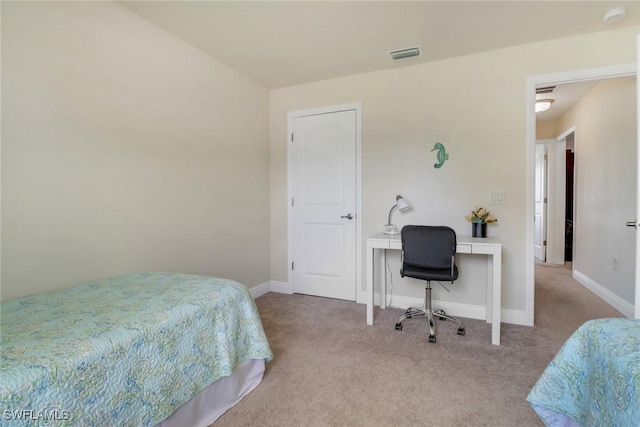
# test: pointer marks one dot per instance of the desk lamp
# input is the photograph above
(402, 205)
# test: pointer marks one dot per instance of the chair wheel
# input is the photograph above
(398, 326)
(460, 331)
(432, 338)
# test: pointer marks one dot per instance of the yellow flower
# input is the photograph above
(480, 215)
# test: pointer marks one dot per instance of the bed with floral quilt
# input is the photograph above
(128, 351)
(594, 380)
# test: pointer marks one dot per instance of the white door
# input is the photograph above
(556, 200)
(540, 227)
(324, 204)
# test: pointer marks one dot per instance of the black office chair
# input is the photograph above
(428, 253)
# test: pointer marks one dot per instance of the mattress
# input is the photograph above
(123, 351)
(594, 380)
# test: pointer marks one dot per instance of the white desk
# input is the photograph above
(466, 245)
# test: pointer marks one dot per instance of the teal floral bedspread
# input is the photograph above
(124, 351)
(594, 380)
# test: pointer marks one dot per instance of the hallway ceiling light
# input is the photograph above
(543, 105)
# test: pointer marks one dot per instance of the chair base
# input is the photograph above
(429, 313)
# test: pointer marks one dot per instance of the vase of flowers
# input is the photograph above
(479, 218)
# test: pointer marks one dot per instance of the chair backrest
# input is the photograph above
(426, 246)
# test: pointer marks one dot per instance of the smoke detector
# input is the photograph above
(614, 15)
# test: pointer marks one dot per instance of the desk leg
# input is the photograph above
(490, 289)
(370, 284)
(496, 297)
(383, 291)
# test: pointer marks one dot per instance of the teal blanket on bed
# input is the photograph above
(125, 351)
(594, 380)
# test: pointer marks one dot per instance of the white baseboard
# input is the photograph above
(452, 308)
(259, 290)
(281, 287)
(270, 286)
(605, 294)
(515, 317)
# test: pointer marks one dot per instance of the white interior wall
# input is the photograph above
(139, 137)
(125, 149)
(476, 106)
(606, 191)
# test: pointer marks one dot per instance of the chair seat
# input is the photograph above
(441, 274)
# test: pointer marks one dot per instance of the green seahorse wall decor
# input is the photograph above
(442, 155)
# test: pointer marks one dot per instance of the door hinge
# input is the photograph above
(292, 137)
(292, 266)
(545, 200)
(544, 243)
(292, 202)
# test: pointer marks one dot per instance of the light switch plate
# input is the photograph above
(497, 197)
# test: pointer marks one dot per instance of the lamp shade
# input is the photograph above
(402, 204)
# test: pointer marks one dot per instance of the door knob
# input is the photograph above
(631, 224)
(348, 216)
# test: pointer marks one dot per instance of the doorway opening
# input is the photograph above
(568, 203)
(565, 231)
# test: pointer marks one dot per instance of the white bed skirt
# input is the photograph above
(215, 400)
(553, 418)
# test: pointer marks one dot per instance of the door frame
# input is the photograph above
(623, 70)
(357, 107)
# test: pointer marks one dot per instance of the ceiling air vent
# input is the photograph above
(405, 53)
(547, 89)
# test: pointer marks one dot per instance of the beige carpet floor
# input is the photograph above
(331, 369)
